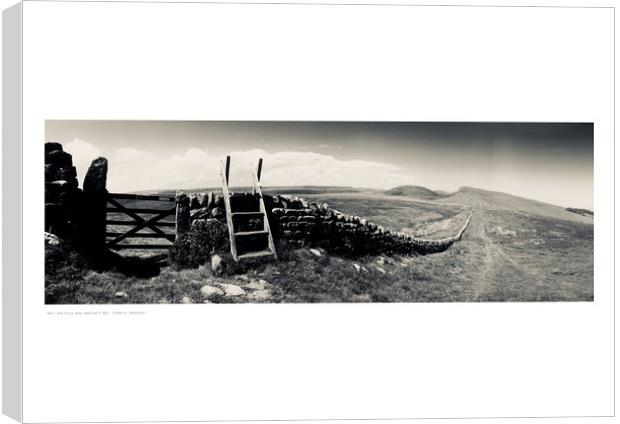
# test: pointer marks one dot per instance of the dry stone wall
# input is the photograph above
(76, 215)
(62, 195)
(302, 223)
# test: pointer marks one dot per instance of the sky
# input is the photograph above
(550, 162)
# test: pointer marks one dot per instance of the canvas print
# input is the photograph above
(172, 212)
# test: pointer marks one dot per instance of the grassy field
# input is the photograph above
(514, 250)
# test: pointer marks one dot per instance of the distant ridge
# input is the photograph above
(414, 191)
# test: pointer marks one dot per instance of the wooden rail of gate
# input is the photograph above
(153, 223)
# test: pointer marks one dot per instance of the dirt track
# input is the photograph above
(496, 267)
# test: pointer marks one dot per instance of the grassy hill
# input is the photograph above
(413, 191)
(515, 249)
(504, 201)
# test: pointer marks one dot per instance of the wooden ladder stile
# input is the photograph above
(229, 219)
(263, 209)
(262, 212)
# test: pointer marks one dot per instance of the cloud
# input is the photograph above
(321, 146)
(133, 170)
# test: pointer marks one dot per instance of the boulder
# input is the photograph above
(208, 291)
(216, 264)
(96, 176)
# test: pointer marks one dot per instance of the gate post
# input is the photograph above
(182, 214)
(93, 226)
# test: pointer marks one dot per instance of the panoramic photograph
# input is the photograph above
(182, 212)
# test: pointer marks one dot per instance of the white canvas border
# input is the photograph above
(230, 110)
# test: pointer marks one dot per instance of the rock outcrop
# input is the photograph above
(93, 211)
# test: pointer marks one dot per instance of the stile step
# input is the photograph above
(250, 233)
(256, 254)
(247, 213)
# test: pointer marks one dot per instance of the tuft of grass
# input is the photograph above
(193, 249)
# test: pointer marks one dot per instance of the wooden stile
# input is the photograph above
(262, 212)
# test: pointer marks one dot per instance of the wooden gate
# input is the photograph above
(122, 205)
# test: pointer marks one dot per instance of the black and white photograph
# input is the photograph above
(306, 212)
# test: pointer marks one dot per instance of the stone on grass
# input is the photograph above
(216, 264)
(120, 294)
(357, 267)
(231, 289)
(208, 291)
(381, 270)
(316, 252)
